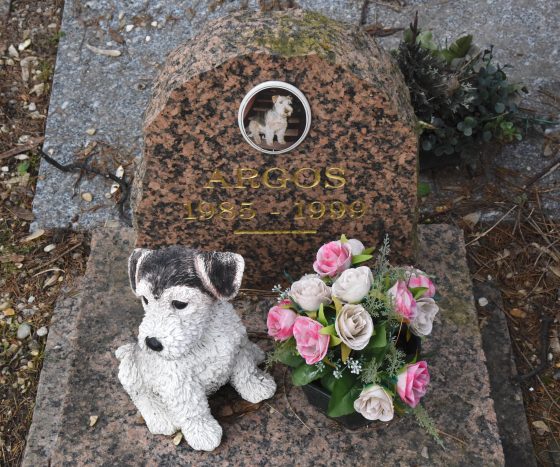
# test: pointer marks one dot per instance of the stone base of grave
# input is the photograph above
(79, 380)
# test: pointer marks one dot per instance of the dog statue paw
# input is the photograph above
(190, 342)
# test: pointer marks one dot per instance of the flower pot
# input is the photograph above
(319, 397)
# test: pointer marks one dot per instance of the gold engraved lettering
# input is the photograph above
(337, 175)
(316, 210)
(217, 178)
(246, 174)
(300, 172)
(190, 216)
(206, 210)
(283, 179)
(227, 211)
(247, 212)
(357, 209)
(299, 210)
(338, 209)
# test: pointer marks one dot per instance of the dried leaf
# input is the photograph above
(49, 248)
(93, 420)
(177, 438)
(22, 213)
(12, 258)
(26, 43)
(541, 427)
(472, 219)
(51, 280)
(116, 36)
(120, 172)
(9, 312)
(33, 236)
(518, 313)
(87, 197)
(555, 270)
(106, 52)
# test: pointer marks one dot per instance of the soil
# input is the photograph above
(32, 272)
(520, 254)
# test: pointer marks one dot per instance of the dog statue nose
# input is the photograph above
(154, 344)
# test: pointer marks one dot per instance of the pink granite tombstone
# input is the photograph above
(211, 179)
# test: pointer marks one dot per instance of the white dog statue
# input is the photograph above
(190, 342)
(273, 122)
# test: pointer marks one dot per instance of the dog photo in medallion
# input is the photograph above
(274, 117)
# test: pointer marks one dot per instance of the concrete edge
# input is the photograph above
(53, 381)
(504, 388)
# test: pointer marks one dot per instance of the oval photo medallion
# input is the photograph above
(274, 117)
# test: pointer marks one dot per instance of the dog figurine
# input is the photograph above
(274, 122)
(190, 342)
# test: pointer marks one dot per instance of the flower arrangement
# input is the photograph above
(356, 330)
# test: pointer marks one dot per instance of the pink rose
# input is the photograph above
(333, 258)
(311, 345)
(280, 322)
(417, 278)
(404, 302)
(412, 383)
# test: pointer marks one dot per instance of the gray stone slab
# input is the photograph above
(110, 93)
(53, 383)
(285, 430)
(505, 389)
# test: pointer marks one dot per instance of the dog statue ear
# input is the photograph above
(274, 99)
(220, 273)
(134, 261)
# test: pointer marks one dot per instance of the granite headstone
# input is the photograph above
(270, 134)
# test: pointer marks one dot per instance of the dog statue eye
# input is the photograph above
(145, 300)
(179, 305)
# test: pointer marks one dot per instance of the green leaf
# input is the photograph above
(328, 381)
(331, 331)
(337, 305)
(467, 131)
(499, 107)
(426, 41)
(487, 135)
(22, 167)
(417, 292)
(304, 374)
(345, 391)
(459, 48)
(361, 258)
(379, 338)
(343, 239)
(345, 352)
(424, 189)
(287, 355)
(368, 251)
(321, 315)
(426, 145)
(328, 330)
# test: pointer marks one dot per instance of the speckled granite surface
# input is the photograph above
(284, 430)
(362, 127)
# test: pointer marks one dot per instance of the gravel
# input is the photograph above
(24, 330)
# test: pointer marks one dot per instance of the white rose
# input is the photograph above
(374, 403)
(353, 284)
(354, 326)
(356, 246)
(310, 292)
(426, 312)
